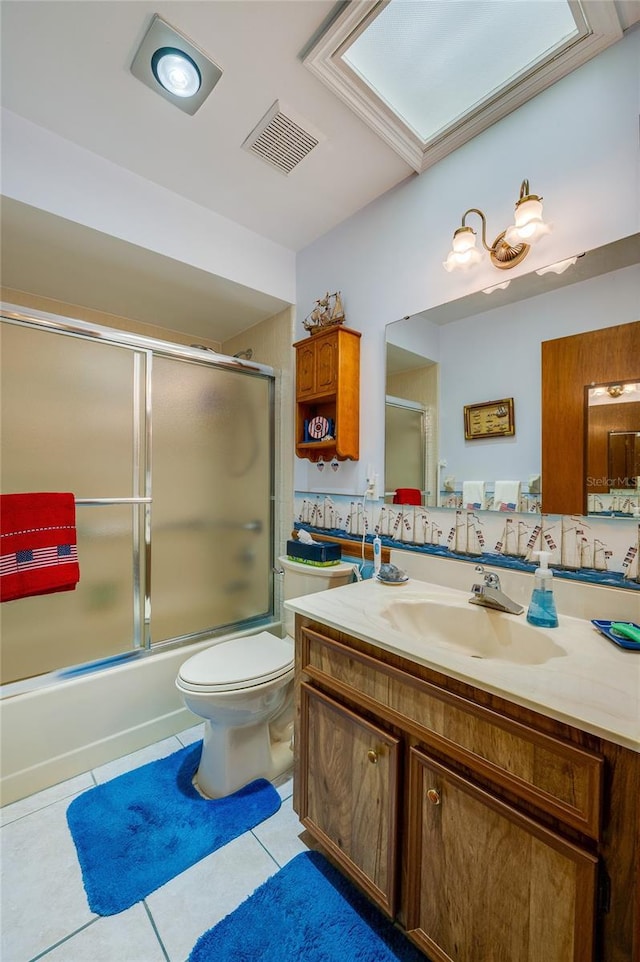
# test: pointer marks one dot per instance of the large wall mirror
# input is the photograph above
(487, 346)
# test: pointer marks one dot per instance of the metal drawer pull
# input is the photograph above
(372, 756)
(434, 796)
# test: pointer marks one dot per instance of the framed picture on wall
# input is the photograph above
(490, 419)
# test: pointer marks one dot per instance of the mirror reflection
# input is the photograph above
(487, 346)
(411, 411)
(613, 446)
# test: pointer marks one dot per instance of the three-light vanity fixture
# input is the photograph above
(511, 246)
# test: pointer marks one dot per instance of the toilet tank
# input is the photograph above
(301, 579)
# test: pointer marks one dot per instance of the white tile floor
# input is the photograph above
(44, 910)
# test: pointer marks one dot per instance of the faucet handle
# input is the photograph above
(491, 579)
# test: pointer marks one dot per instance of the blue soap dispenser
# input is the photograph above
(542, 607)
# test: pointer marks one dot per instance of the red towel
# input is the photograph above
(407, 496)
(38, 544)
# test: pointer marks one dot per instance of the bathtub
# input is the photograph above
(77, 723)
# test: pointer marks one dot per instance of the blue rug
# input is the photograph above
(306, 911)
(138, 831)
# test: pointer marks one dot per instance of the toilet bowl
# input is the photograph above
(238, 687)
(243, 689)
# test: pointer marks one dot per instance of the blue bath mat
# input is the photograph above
(306, 912)
(141, 829)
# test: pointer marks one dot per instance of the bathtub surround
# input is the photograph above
(60, 730)
(136, 832)
(307, 911)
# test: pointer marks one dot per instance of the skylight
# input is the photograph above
(411, 52)
(428, 75)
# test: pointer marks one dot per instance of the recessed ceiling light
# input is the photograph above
(169, 63)
(176, 71)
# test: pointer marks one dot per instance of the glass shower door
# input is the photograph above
(68, 425)
(211, 518)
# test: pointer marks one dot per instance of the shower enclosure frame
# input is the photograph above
(145, 348)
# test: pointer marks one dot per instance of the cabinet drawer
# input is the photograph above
(557, 777)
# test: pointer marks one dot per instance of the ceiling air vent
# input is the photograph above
(281, 139)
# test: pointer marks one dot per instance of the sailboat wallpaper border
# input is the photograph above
(597, 550)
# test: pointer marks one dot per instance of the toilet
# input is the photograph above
(243, 689)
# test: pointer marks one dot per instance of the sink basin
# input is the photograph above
(472, 630)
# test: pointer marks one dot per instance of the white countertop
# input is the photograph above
(591, 684)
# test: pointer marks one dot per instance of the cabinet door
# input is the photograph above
(488, 884)
(348, 792)
(305, 370)
(327, 365)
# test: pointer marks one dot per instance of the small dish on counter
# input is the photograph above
(390, 574)
(392, 581)
(605, 627)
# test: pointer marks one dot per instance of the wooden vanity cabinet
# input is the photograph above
(490, 832)
(328, 385)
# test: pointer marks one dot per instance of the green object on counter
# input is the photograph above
(629, 631)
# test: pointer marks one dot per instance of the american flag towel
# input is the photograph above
(38, 545)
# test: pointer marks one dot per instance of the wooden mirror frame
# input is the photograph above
(569, 364)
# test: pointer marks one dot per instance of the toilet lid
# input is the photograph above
(238, 663)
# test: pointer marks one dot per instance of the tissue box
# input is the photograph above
(314, 554)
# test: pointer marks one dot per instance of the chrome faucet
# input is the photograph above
(490, 594)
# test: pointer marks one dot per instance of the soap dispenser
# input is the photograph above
(542, 607)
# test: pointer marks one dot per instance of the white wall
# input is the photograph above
(48, 172)
(576, 143)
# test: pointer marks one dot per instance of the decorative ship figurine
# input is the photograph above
(327, 313)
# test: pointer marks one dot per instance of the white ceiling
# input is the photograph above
(65, 66)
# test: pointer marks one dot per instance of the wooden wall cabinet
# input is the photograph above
(328, 385)
(482, 827)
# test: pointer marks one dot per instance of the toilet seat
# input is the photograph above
(237, 664)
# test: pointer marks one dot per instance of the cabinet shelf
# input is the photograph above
(317, 445)
(328, 386)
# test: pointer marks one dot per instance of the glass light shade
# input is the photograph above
(496, 287)
(176, 72)
(558, 268)
(462, 260)
(464, 239)
(529, 225)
